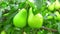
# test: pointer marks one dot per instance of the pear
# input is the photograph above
(3, 32)
(51, 7)
(49, 17)
(57, 5)
(57, 15)
(19, 19)
(35, 21)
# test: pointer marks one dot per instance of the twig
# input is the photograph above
(49, 29)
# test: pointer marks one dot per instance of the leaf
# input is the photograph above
(22, 5)
(52, 1)
(22, 0)
(35, 3)
(3, 4)
(58, 27)
(0, 14)
(38, 3)
(40, 32)
(49, 33)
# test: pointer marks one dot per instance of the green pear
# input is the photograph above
(20, 18)
(57, 15)
(3, 32)
(51, 7)
(50, 17)
(35, 21)
(57, 4)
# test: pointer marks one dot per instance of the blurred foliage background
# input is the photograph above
(9, 8)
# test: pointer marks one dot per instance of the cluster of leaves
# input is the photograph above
(9, 8)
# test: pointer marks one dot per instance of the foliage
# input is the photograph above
(9, 8)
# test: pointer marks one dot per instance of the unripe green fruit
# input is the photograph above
(20, 19)
(51, 7)
(57, 15)
(35, 21)
(3, 32)
(57, 4)
(49, 17)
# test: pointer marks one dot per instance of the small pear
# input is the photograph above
(57, 15)
(51, 7)
(50, 17)
(3, 32)
(35, 21)
(57, 5)
(19, 19)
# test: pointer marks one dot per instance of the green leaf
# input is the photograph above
(22, 5)
(22, 0)
(58, 27)
(40, 32)
(52, 1)
(49, 33)
(0, 14)
(40, 3)
(3, 4)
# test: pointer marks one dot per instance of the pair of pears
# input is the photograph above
(34, 21)
(55, 5)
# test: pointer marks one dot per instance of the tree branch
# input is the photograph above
(49, 29)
